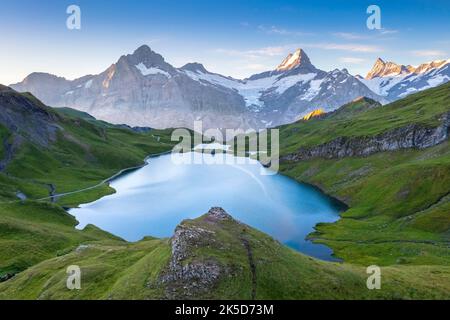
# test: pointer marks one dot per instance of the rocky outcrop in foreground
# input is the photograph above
(187, 275)
(411, 136)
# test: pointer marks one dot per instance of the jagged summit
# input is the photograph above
(156, 94)
(424, 67)
(383, 68)
(292, 61)
(144, 49)
(147, 57)
(130, 68)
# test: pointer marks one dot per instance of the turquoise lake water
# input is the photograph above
(153, 200)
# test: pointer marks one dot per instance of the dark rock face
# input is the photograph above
(25, 115)
(6, 277)
(187, 276)
(411, 136)
(10, 148)
(26, 119)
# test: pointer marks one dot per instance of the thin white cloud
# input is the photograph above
(255, 67)
(345, 47)
(388, 31)
(270, 51)
(429, 53)
(282, 31)
(352, 60)
(256, 53)
(349, 35)
(445, 42)
(283, 50)
(357, 36)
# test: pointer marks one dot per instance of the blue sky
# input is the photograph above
(236, 38)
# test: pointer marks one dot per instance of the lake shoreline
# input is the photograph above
(313, 249)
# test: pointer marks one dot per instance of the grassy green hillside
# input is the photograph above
(399, 201)
(398, 216)
(365, 117)
(252, 265)
(82, 154)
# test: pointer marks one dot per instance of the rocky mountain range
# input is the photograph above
(142, 89)
(394, 81)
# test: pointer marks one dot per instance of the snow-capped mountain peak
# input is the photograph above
(395, 81)
(145, 58)
(292, 61)
(383, 69)
(143, 89)
(143, 50)
(425, 67)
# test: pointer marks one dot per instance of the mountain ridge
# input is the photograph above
(394, 81)
(142, 89)
(382, 68)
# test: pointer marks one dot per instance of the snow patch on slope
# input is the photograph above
(151, 71)
(314, 88)
(382, 85)
(251, 90)
(88, 84)
(437, 80)
(285, 83)
(212, 79)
